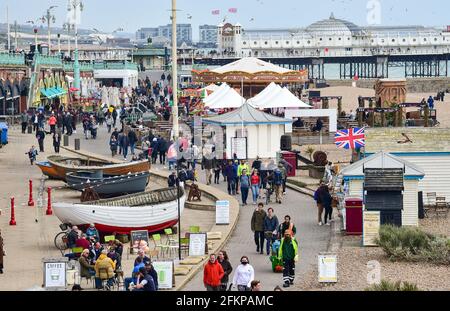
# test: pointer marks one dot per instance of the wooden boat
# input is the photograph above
(64, 165)
(153, 211)
(47, 169)
(107, 185)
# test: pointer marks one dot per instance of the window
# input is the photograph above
(424, 39)
(404, 40)
(309, 42)
(298, 42)
(276, 42)
(255, 43)
(266, 43)
(435, 39)
(329, 39)
(287, 42)
(244, 43)
(340, 39)
(320, 39)
(393, 40)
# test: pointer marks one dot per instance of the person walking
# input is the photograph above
(155, 149)
(40, 136)
(236, 176)
(257, 226)
(270, 228)
(132, 138)
(56, 141)
(227, 269)
(162, 146)
(113, 145)
(430, 102)
(109, 122)
(318, 198)
(24, 118)
(207, 163)
(217, 164)
(286, 225)
(255, 183)
(52, 122)
(278, 183)
(212, 274)
(32, 153)
(244, 275)
(326, 200)
(125, 143)
(244, 181)
(288, 254)
(228, 172)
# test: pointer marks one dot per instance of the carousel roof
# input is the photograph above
(250, 65)
(246, 115)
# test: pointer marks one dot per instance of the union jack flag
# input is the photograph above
(350, 139)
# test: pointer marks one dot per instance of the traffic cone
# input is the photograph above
(12, 222)
(49, 202)
(30, 198)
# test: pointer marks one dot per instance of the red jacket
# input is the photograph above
(52, 120)
(254, 179)
(213, 273)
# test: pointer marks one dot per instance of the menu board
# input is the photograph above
(327, 268)
(137, 237)
(371, 227)
(222, 212)
(197, 244)
(164, 269)
(54, 274)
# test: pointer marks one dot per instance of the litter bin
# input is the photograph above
(291, 158)
(77, 144)
(30, 129)
(4, 133)
(354, 216)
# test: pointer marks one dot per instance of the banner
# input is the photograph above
(222, 212)
(327, 268)
(164, 269)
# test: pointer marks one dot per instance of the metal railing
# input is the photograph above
(115, 66)
(12, 59)
(40, 59)
(84, 66)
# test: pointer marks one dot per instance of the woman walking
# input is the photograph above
(227, 268)
(244, 181)
(243, 275)
(255, 182)
(113, 145)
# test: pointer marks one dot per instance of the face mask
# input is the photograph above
(244, 262)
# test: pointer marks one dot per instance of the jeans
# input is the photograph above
(41, 145)
(319, 212)
(125, 151)
(269, 242)
(162, 157)
(172, 164)
(255, 193)
(231, 186)
(24, 127)
(216, 176)
(132, 148)
(98, 282)
(244, 191)
(259, 241)
(127, 282)
(328, 213)
(236, 183)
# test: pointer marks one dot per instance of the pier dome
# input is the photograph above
(334, 27)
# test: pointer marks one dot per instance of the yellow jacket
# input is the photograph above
(107, 266)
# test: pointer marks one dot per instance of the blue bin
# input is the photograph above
(4, 138)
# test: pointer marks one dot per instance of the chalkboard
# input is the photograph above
(136, 238)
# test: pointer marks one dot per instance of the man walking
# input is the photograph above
(270, 228)
(125, 143)
(228, 172)
(288, 254)
(52, 122)
(132, 138)
(40, 136)
(25, 119)
(212, 274)
(257, 226)
(278, 183)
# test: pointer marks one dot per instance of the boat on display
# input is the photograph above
(64, 165)
(152, 211)
(47, 169)
(108, 185)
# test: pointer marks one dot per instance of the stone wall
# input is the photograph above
(416, 85)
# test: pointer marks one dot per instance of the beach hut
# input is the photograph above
(261, 136)
(356, 186)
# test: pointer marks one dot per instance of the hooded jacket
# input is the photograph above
(104, 267)
(213, 273)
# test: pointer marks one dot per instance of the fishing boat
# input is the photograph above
(64, 165)
(47, 169)
(153, 211)
(108, 185)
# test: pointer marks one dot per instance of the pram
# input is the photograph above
(277, 264)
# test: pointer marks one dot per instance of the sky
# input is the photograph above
(109, 15)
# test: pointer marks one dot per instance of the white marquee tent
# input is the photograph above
(274, 96)
(224, 97)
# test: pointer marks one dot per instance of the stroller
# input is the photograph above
(277, 264)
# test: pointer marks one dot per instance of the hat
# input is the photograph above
(143, 270)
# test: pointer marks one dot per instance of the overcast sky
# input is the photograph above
(108, 15)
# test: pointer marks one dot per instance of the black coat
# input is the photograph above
(227, 268)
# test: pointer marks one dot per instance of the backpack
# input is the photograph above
(277, 177)
(190, 175)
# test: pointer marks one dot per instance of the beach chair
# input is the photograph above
(162, 248)
(194, 229)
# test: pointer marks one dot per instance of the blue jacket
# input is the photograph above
(235, 170)
(270, 224)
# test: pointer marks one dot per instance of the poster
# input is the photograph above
(327, 268)
(371, 227)
(222, 212)
(197, 244)
(55, 274)
(137, 237)
(164, 269)
(239, 147)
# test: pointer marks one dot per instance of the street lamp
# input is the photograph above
(76, 5)
(34, 23)
(49, 18)
(68, 26)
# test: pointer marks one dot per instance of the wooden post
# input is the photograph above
(325, 103)
(400, 117)
(383, 119)
(371, 114)
(339, 107)
(426, 115)
(360, 113)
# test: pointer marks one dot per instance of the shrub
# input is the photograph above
(387, 286)
(412, 244)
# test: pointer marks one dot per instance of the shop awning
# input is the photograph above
(53, 92)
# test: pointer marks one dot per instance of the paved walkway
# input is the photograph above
(312, 238)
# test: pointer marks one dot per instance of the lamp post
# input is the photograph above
(68, 26)
(16, 27)
(76, 5)
(49, 18)
(35, 30)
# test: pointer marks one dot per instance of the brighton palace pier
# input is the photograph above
(368, 52)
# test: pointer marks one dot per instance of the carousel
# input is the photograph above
(251, 73)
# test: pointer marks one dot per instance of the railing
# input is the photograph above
(115, 66)
(84, 66)
(12, 59)
(40, 59)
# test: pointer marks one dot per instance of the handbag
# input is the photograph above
(268, 234)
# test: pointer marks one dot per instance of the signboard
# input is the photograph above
(197, 244)
(327, 268)
(239, 147)
(137, 237)
(165, 270)
(55, 273)
(222, 212)
(371, 227)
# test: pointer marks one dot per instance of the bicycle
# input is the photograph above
(61, 238)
